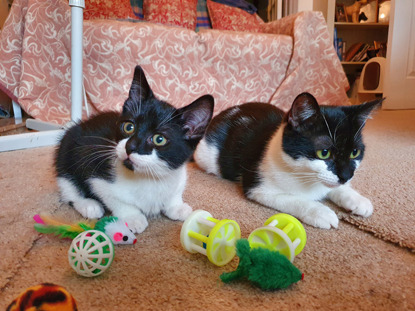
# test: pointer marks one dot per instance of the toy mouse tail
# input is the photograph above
(228, 277)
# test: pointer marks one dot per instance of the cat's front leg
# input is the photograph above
(177, 209)
(310, 212)
(88, 208)
(344, 196)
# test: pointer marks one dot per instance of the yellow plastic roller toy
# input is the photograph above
(281, 232)
(201, 233)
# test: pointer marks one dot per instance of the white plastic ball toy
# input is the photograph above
(91, 253)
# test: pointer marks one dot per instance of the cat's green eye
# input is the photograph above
(355, 153)
(128, 127)
(323, 154)
(159, 140)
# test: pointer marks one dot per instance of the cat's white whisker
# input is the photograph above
(166, 120)
(102, 138)
(358, 131)
(90, 158)
(328, 128)
(337, 127)
(95, 157)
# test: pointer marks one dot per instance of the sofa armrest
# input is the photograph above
(283, 26)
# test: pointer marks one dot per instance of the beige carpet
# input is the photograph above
(387, 177)
(345, 269)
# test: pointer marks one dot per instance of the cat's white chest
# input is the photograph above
(283, 175)
(149, 195)
(280, 182)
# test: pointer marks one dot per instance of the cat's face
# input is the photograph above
(154, 137)
(325, 143)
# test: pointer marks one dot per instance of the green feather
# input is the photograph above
(85, 226)
(60, 231)
(103, 222)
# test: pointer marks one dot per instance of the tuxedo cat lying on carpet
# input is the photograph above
(291, 162)
(132, 163)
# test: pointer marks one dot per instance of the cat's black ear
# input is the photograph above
(196, 117)
(364, 110)
(304, 111)
(140, 89)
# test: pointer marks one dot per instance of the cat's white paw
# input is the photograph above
(358, 205)
(179, 212)
(137, 224)
(320, 216)
(89, 208)
(352, 201)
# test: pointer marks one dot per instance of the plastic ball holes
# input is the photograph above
(91, 253)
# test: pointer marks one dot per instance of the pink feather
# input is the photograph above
(38, 219)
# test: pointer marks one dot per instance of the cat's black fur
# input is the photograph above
(84, 152)
(73, 157)
(242, 143)
(291, 162)
(242, 133)
(89, 149)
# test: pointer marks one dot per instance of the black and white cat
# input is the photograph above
(132, 163)
(290, 162)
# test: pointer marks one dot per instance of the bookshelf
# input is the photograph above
(352, 33)
(365, 33)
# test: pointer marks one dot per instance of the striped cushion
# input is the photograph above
(203, 20)
(137, 6)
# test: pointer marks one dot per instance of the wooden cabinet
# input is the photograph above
(4, 11)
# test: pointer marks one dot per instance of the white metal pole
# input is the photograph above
(77, 8)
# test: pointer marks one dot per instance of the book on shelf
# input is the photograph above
(361, 55)
(353, 50)
(361, 52)
(339, 46)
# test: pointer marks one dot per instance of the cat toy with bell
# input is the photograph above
(92, 248)
(91, 253)
(282, 233)
(201, 233)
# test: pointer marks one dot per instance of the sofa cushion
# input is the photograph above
(137, 6)
(181, 65)
(171, 12)
(202, 21)
(98, 9)
(225, 17)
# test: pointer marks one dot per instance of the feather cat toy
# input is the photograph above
(116, 229)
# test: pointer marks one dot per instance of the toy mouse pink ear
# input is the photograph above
(117, 236)
(126, 225)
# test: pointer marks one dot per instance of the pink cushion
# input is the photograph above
(226, 17)
(107, 9)
(171, 12)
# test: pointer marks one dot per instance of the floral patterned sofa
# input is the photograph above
(272, 63)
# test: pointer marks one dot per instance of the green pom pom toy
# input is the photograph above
(267, 269)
